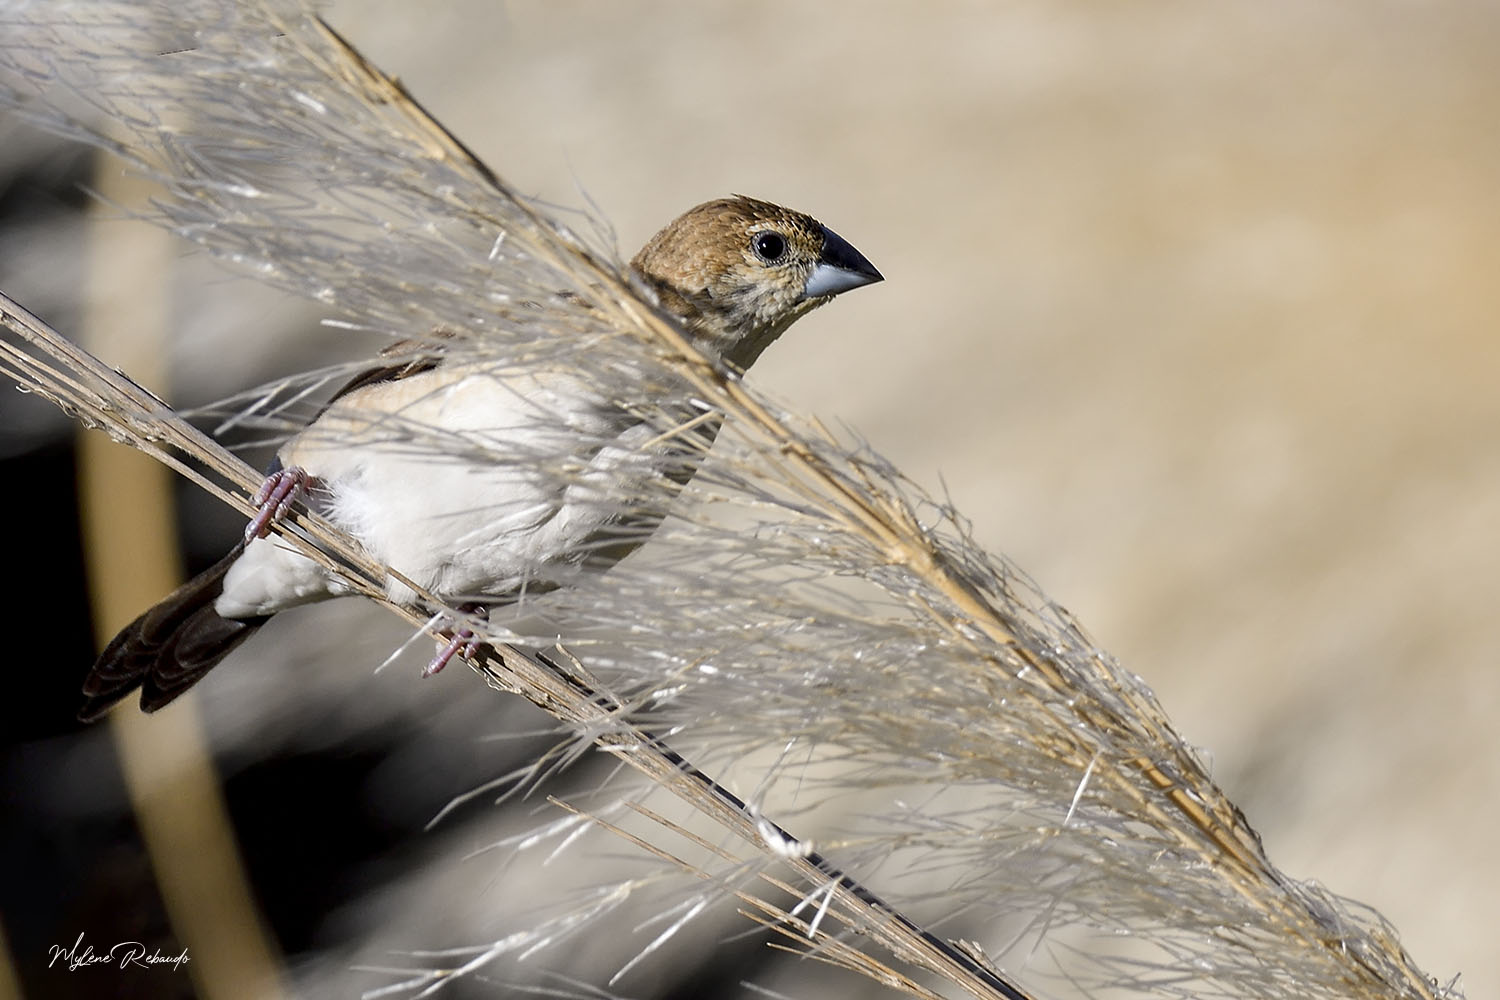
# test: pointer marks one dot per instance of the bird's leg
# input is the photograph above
(462, 642)
(274, 499)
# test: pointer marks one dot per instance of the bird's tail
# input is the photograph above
(166, 650)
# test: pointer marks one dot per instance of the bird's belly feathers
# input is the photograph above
(521, 474)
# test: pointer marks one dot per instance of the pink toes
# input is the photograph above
(274, 499)
(463, 642)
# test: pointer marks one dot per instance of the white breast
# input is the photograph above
(472, 483)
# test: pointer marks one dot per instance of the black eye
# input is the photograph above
(769, 247)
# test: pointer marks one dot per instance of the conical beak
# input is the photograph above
(840, 268)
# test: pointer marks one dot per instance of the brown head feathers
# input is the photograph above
(736, 272)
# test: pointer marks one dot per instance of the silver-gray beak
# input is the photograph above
(840, 268)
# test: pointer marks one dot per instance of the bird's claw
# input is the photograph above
(462, 643)
(274, 499)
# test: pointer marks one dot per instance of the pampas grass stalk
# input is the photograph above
(42, 361)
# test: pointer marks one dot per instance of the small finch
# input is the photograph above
(734, 273)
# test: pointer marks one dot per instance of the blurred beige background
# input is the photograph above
(1190, 306)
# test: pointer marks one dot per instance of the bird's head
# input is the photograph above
(737, 272)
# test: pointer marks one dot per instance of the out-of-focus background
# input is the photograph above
(1190, 308)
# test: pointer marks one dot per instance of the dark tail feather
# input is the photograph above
(166, 650)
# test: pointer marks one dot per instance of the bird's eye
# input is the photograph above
(769, 247)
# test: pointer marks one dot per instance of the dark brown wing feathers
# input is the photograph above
(166, 650)
(169, 648)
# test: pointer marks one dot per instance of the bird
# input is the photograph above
(733, 273)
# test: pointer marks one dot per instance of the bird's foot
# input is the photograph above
(274, 499)
(462, 643)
